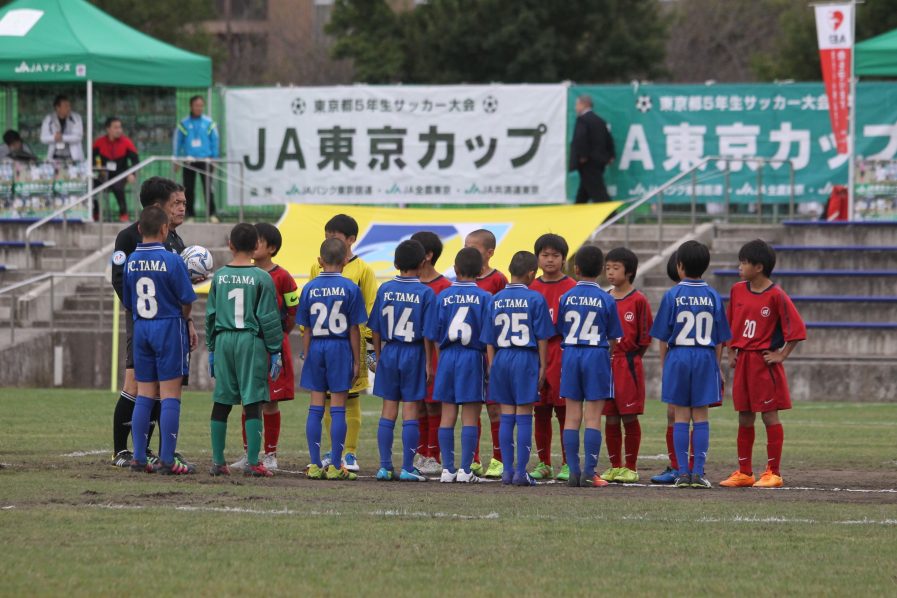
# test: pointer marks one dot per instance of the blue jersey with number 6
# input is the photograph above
(329, 304)
(462, 310)
(402, 310)
(587, 316)
(520, 319)
(691, 314)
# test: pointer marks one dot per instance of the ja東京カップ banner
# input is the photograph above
(663, 130)
(410, 144)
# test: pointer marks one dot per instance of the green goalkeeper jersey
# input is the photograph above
(243, 298)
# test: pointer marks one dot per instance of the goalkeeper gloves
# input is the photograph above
(276, 366)
(211, 364)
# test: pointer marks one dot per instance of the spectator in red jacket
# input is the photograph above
(113, 153)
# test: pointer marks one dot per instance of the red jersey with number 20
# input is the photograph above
(763, 321)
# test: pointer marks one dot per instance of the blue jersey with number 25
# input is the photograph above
(520, 319)
(691, 314)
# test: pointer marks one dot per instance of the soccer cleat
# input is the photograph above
(240, 464)
(477, 468)
(769, 480)
(350, 462)
(411, 476)
(495, 469)
(683, 481)
(341, 474)
(564, 473)
(699, 481)
(523, 480)
(175, 468)
(626, 476)
(326, 460)
(218, 470)
(385, 475)
(151, 457)
(667, 477)
(257, 471)
(592, 482)
(122, 458)
(610, 474)
(448, 477)
(507, 477)
(540, 472)
(180, 458)
(270, 461)
(430, 466)
(138, 467)
(313, 472)
(573, 481)
(738, 480)
(467, 477)
(418, 461)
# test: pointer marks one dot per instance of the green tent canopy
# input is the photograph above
(70, 41)
(877, 56)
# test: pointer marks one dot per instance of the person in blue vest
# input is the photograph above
(196, 138)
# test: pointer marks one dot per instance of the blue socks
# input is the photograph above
(169, 424)
(385, 433)
(337, 434)
(701, 440)
(680, 444)
(410, 441)
(140, 423)
(592, 445)
(506, 439)
(570, 438)
(469, 437)
(524, 443)
(313, 432)
(447, 448)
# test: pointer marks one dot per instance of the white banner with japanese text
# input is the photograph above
(400, 144)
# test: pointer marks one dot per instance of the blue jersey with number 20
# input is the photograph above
(691, 314)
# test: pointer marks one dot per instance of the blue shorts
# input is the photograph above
(402, 372)
(459, 376)
(328, 365)
(514, 378)
(691, 377)
(161, 349)
(586, 374)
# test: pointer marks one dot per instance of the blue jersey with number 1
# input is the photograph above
(691, 314)
(330, 304)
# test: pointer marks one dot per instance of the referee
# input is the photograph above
(170, 197)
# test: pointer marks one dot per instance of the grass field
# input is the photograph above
(72, 525)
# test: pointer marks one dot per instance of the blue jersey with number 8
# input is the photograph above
(691, 315)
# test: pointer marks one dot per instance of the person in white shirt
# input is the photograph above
(63, 132)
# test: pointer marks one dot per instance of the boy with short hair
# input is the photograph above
(345, 228)
(551, 251)
(766, 328)
(462, 311)
(401, 313)
(157, 291)
(590, 327)
(245, 338)
(331, 310)
(431, 410)
(492, 281)
(628, 401)
(282, 389)
(517, 352)
(692, 329)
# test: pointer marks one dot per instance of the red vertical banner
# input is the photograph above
(834, 29)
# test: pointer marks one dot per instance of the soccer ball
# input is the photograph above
(198, 261)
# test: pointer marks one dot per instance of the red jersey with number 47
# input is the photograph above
(636, 320)
(762, 321)
(493, 282)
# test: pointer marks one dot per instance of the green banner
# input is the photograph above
(663, 130)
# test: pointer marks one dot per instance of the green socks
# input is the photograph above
(253, 440)
(219, 436)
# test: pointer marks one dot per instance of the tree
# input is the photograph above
(512, 41)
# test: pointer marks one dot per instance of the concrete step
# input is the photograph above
(848, 311)
(865, 233)
(853, 283)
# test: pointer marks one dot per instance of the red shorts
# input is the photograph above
(757, 386)
(283, 388)
(429, 397)
(629, 385)
(550, 395)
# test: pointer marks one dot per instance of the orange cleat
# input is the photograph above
(593, 482)
(769, 480)
(738, 480)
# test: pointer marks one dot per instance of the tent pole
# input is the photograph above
(88, 135)
(852, 116)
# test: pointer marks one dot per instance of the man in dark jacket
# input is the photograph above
(591, 150)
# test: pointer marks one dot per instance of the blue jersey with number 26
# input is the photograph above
(691, 314)
(520, 319)
(403, 307)
(330, 303)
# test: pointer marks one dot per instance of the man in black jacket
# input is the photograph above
(591, 150)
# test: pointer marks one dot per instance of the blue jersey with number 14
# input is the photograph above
(691, 314)
(330, 303)
(402, 310)
(520, 319)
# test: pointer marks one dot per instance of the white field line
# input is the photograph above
(274, 512)
(785, 489)
(86, 453)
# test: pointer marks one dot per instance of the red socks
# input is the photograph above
(496, 447)
(542, 432)
(561, 413)
(745, 449)
(432, 440)
(272, 431)
(424, 433)
(613, 438)
(775, 437)
(633, 441)
(671, 450)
